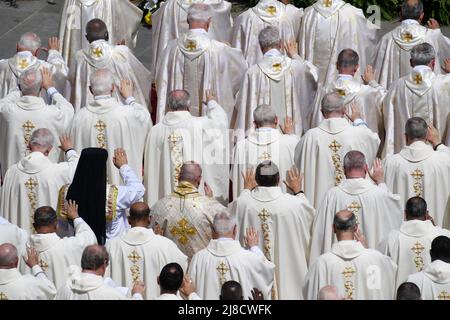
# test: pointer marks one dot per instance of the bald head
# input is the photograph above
(96, 29)
(333, 105)
(329, 293)
(95, 258)
(355, 165)
(30, 82)
(199, 16)
(29, 42)
(102, 82)
(191, 172)
(231, 290)
(139, 215)
(344, 225)
(8, 256)
(178, 100)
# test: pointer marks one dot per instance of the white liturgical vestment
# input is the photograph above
(434, 281)
(10, 233)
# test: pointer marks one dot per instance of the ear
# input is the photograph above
(356, 68)
(421, 16)
(276, 121)
(157, 280)
(411, 63)
(90, 89)
(334, 228)
(234, 231)
(49, 149)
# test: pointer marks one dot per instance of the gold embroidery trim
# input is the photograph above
(183, 231)
(418, 260)
(3, 296)
(336, 159)
(176, 154)
(28, 127)
(418, 79)
(444, 295)
(43, 265)
(222, 269)
(417, 186)
(264, 215)
(31, 184)
(134, 257)
(265, 156)
(111, 207)
(348, 282)
(407, 36)
(101, 137)
(354, 207)
(328, 3)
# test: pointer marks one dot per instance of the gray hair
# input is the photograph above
(332, 102)
(30, 82)
(347, 58)
(102, 82)
(179, 100)
(344, 224)
(422, 54)
(263, 115)
(329, 293)
(42, 137)
(199, 12)
(8, 255)
(416, 128)
(269, 37)
(29, 41)
(94, 256)
(354, 160)
(224, 222)
(412, 11)
(190, 171)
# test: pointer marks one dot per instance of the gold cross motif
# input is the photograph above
(135, 272)
(407, 36)
(264, 215)
(328, 3)
(183, 231)
(444, 295)
(418, 79)
(222, 269)
(100, 125)
(191, 45)
(3, 296)
(97, 52)
(23, 63)
(354, 207)
(341, 92)
(134, 256)
(30, 184)
(276, 67)
(28, 125)
(335, 146)
(348, 272)
(417, 186)
(271, 10)
(265, 156)
(101, 138)
(43, 265)
(174, 137)
(418, 248)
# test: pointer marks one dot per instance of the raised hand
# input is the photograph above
(251, 237)
(32, 258)
(256, 295)
(356, 111)
(446, 66)
(72, 210)
(120, 158)
(66, 142)
(433, 135)
(433, 24)
(126, 88)
(377, 172)
(288, 126)
(360, 237)
(47, 78)
(291, 48)
(369, 74)
(249, 179)
(138, 287)
(294, 180)
(208, 190)
(187, 287)
(210, 95)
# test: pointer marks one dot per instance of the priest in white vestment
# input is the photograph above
(264, 143)
(328, 27)
(10, 233)
(100, 54)
(122, 19)
(391, 57)
(251, 22)
(286, 83)
(172, 282)
(434, 280)
(25, 59)
(89, 283)
(357, 272)
(320, 151)
(170, 22)
(420, 169)
(294, 14)
(35, 180)
(377, 210)
(14, 285)
(198, 64)
(186, 216)
(20, 116)
(109, 124)
(283, 222)
(369, 96)
(421, 93)
(182, 137)
(225, 259)
(409, 247)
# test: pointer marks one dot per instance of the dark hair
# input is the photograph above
(416, 207)
(347, 58)
(416, 128)
(344, 224)
(44, 216)
(171, 277)
(96, 29)
(267, 174)
(231, 290)
(412, 11)
(440, 249)
(408, 291)
(94, 256)
(139, 211)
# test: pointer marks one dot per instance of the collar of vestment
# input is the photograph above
(264, 137)
(438, 271)
(22, 61)
(266, 194)
(327, 8)
(99, 53)
(416, 228)
(34, 162)
(269, 11)
(44, 241)
(408, 35)
(137, 236)
(173, 118)
(334, 125)
(356, 186)
(420, 80)
(346, 86)
(88, 3)
(100, 106)
(347, 249)
(84, 282)
(169, 296)
(9, 275)
(223, 248)
(193, 44)
(185, 189)
(30, 103)
(417, 151)
(275, 66)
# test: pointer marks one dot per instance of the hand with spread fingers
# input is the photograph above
(208, 190)
(47, 78)
(72, 210)
(377, 172)
(256, 295)
(188, 287)
(66, 142)
(249, 179)
(294, 180)
(356, 111)
(369, 74)
(288, 126)
(291, 48)
(251, 238)
(120, 158)
(126, 88)
(360, 237)
(32, 258)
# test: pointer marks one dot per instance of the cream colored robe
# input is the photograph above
(196, 63)
(287, 85)
(10, 233)
(170, 22)
(434, 281)
(122, 18)
(106, 123)
(260, 145)
(393, 52)
(35, 286)
(326, 31)
(295, 15)
(251, 22)
(181, 137)
(358, 273)
(409, 247)
(120, 61)
(320, 154)
(418, 170)
(421, 93)
(139, 255)
(369, 99)
(20, 117)
(224, 260)
(32, 183)
(377, 211)
(283, 223)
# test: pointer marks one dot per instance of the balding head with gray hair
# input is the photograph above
(29, 42)
(355, 164)
(333, 105)
(102, 82)
(30, 82)
(423, 55)
(269, 38)
(416, 129)
(41, 140)
(199, 16)
(344, 222)
(178, 100)
(224, 225)
(191, 172)
(412, 9)
(264, 116)
(8, 256)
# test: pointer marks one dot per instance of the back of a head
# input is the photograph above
(96, 29)
(267, 174)
(408, 291)
(178, 100)
(440, 249)
(231, 290)
(30, 82)
(412, 9)
(332, 102)
(44, 217)
(29, 42)
(347, 58)
(264, 115)
(171, 277)
(191, 172)
(139, 211)
(8, 256)
(224, 223)
(269, 37)
(93, 257)
(416, 209)
(41, 139)
(344, 221)
(329, 293)
(422, 54)
(199, 13)
(354, 161)
(416, 128)
(102, 82)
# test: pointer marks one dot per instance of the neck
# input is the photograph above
(163, 291)
(344, 235)
(96, 272)
(355, 174)
(142, 224)
(7, 267)
(273, 126)
(417, 218)
(411, 141)
(347, 72)
(196, 25)
(45, 231)
(333, 115)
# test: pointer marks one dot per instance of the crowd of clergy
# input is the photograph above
(284, 154)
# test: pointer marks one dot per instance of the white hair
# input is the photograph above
(332, 102)
(102, 81)
(264, 114)
(224, 222)
(178, 100)
(269, 37)
(30, 82)
(29, 41)
(199, 12)
(422, 54)
(42, 138)
(329, 293)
